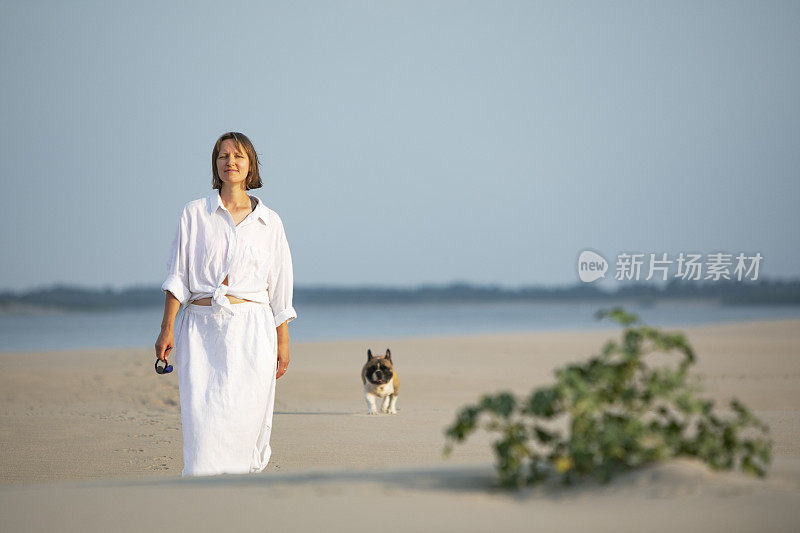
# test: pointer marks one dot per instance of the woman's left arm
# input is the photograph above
(283, 348)
(280, 285)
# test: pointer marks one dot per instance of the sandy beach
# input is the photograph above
(92, 441)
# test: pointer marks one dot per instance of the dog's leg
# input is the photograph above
(385, 404)
(393, 401)
(371, 407)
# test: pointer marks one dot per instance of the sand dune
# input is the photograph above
(92, 440)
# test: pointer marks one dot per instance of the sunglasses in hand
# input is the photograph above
(163, 367)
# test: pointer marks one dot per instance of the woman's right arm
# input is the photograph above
(166, 339)
(175, 287)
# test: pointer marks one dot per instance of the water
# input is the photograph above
(139, 328)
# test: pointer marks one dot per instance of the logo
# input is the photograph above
(687, 265)
(591, 266)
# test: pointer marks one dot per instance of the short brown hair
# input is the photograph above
(253, 180)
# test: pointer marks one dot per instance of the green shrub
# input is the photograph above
(620, 414)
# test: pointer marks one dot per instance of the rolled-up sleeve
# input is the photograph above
(177, 263)
(281, 278)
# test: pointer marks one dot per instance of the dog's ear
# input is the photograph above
(369, 354)
(388, 354)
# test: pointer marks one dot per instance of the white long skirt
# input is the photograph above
(226, 369)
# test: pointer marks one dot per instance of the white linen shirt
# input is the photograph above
(255, 256)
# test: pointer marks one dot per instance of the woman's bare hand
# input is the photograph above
(166, 339)
(283, 349)
(283, 362)
(165, 343)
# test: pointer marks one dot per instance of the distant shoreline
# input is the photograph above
(763, 292)
(769, 292)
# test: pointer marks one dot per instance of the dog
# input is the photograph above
(380, 381)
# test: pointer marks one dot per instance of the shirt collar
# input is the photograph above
(214, 202)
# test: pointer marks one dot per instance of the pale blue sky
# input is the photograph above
(402, 142)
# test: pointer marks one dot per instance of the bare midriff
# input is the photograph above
(207, 301)
(231, 299)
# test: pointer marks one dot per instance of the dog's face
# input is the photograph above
(379, 370)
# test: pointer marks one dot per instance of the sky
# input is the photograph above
(402, 143)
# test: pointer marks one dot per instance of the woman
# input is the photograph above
(231, 268)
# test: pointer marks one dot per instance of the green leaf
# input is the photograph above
(620, 412)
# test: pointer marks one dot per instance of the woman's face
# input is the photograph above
(232, 163)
